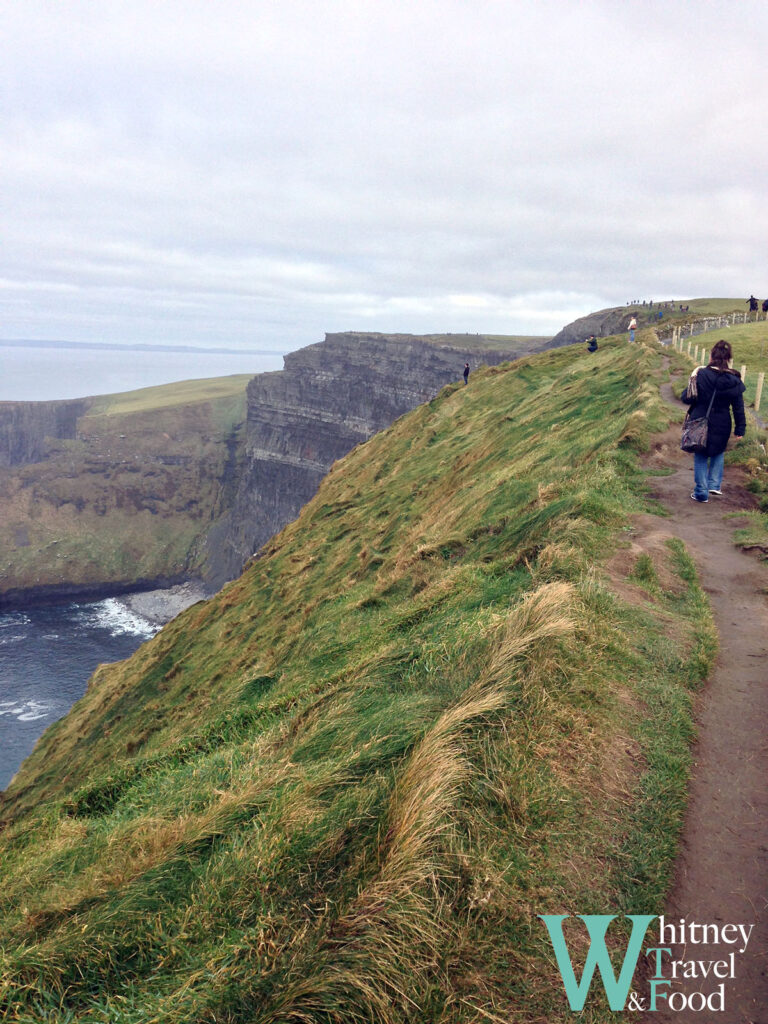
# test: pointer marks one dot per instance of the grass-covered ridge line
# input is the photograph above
(165, 396)
(342, 789)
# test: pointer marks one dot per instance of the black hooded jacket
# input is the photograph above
(729, 394)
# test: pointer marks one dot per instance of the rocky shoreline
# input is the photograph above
(160, 606)
(157, 600)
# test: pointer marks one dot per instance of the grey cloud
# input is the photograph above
(277, 170)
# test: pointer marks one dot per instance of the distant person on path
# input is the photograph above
(752, 304)
(720, 379)
(765, 307)
(466, 373)
(632, 328)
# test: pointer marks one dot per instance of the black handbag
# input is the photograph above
(694, 436)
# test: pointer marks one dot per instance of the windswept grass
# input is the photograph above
(342, 789)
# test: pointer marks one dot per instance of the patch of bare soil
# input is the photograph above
(722, 870)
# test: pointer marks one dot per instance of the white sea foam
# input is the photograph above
(113, 615)
(27, 711)
(10, 707)
(31, 716)
(14, 639)
(10, 619)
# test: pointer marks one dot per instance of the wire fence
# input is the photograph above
(676, 337)
(707, 323)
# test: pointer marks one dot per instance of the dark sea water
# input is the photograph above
(47, 655)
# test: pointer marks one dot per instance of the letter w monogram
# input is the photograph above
(597, 925)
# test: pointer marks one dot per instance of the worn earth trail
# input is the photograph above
(721, 874)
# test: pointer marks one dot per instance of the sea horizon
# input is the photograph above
(34, 371)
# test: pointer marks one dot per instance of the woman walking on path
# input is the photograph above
(725, 383)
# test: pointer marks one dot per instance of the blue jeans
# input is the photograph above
(707, 474)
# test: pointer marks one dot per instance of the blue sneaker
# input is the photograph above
(713, 491)
(701, 501)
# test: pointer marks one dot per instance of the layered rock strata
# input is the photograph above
(102, 503)
(602, 324)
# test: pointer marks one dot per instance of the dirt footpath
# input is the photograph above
(722, 871)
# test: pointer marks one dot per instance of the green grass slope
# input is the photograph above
(451, 696)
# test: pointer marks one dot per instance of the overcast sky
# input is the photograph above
(255, 173)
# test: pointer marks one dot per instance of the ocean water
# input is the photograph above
(36, 373)
(47, 655)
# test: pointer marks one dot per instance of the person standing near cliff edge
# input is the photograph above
(466, 373)
(632, 328)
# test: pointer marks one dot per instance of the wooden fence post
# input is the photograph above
(744, 374)
(759, 392)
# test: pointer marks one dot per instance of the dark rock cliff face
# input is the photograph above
(26, 426)
(329, 397)
(602, 324)
(94, 500)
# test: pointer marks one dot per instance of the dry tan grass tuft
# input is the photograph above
(382, 949)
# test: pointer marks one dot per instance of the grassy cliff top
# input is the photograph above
(450, 697)
(698, 307)
(163, 396)
(130, 497)
(468, 343)
(494, 342)
(714, 307)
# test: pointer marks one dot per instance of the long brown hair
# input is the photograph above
(721, 355)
